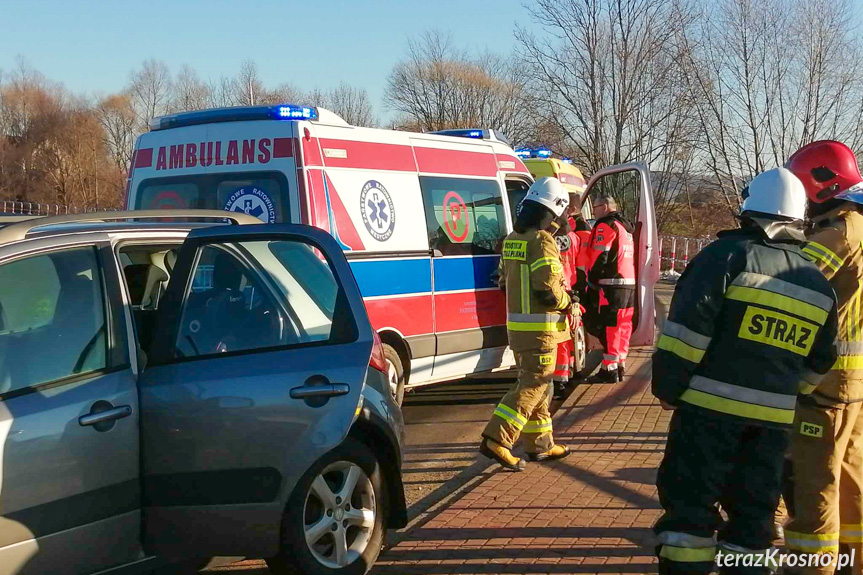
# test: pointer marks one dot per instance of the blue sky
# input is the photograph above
(91, 46)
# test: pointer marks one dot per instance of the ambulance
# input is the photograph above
(420, 216)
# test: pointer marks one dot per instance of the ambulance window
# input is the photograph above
(464, 217)
(261, 194)
(516, 190)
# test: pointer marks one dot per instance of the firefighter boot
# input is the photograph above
(621, 370)
(502, 455)
(605, 376)
(557, 452)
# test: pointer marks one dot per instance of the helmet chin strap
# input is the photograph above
(780, 230)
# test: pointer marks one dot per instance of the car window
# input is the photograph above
(246, 296)
(52, 318)
(260, 194)
(464, 217)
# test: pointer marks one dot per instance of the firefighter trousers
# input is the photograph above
(709, 461)
(611, 322)
(827, 455)
(525, 410)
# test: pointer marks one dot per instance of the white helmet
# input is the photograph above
(776, 192)
(550, 193)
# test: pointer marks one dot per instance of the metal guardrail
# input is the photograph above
(676, 251)
(20, 208)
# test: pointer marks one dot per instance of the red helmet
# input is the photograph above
(827, 169)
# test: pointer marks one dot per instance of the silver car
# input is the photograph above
(175, 390)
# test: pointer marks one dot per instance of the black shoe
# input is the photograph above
(604, 376)
(560, 389)
(621, 370)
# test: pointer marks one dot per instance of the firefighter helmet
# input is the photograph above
(550, 193)
(776, 193)
(828, 169)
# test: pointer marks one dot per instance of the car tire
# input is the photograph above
(396, 373)
(307, 550)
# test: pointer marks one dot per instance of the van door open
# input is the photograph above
(630, 185)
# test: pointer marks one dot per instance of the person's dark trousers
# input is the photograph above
(712, 460)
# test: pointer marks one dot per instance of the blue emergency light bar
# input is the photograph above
(526, 153)
(235, 114)
(476, 133)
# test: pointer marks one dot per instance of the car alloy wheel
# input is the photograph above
(339, 514)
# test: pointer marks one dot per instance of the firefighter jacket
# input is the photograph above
(752, 324)
(609, 259)
(836, 247)
(537, 302)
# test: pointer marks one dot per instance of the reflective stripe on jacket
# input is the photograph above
(536, 298)
(751, 325)
(836, 247)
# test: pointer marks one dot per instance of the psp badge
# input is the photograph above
(376, 207)
(253, 201)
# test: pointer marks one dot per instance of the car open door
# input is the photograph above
(257, 369)
(630, 185)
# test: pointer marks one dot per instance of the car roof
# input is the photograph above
(132, 220)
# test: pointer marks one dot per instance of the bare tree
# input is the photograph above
(116, 115)
(766, 77)
(605, 73)
(190, 93)
(439, 86)
(248, 87)
(150, 88)
(351, 104)
(221, 93)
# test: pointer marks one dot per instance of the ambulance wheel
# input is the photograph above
(395, 373)
(580, 354)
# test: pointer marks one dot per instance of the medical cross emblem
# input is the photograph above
(377, 210)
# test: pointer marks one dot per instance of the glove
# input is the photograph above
(573, 296)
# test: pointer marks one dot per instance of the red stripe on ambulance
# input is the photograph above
(455, 162)
(409, 315)
(368, 155)
(283, 148)
(469, 310)
(143, 158)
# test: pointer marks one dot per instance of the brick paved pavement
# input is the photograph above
(589, 513)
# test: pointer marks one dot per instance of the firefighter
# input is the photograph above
(609, 263)
(537, 307)
(751, 324)
(827, 440)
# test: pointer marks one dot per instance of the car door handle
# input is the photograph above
(107, 415)
(327, 390)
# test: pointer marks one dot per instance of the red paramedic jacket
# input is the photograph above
(609, 259)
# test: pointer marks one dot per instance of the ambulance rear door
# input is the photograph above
(244, 166)
(630, 185)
